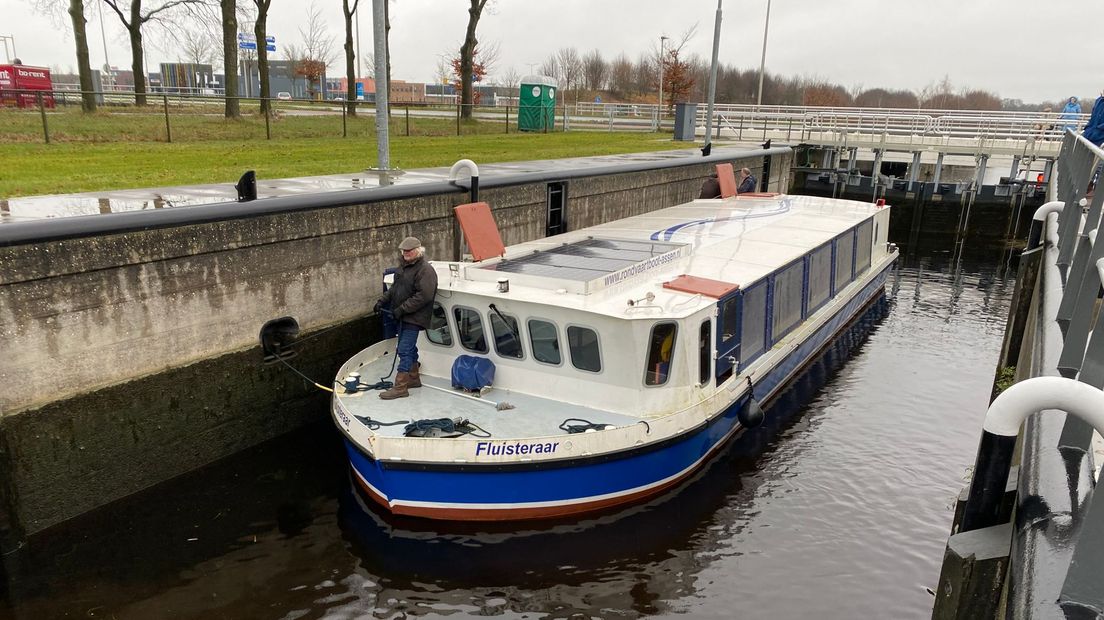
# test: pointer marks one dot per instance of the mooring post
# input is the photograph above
(1002, 425)
(1035, 234)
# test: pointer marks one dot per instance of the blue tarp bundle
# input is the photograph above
(472, 373)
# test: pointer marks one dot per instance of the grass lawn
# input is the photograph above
(127, 150)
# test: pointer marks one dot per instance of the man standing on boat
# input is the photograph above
(747, 182)
(411, 300)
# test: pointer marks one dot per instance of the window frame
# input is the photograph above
(448, 327)
(705, 352)
(482, 328)
(533, 349)
(648, 354)
(570, 349)
(491, 316)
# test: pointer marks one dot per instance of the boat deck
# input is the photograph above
(530, 416)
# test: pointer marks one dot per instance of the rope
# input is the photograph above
(305, 377)
(376, 424)
(579, 425)
(446, 426)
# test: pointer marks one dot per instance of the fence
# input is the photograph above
(172, 117)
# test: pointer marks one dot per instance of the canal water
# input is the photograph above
(838, 507)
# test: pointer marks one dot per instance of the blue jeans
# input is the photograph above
(408, 346)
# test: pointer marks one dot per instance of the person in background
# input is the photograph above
(1094, 129)
(711, 188)
(747, 182)
(411, 300)
(1071, 114)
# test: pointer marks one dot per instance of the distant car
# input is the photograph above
(283, 96)
(338, 98)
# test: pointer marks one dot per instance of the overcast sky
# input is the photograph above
(1021, 49)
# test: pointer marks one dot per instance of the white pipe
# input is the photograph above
(1009, 410)
(473, 170)
(1050, 207)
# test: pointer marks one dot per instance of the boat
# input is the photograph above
(624, 355)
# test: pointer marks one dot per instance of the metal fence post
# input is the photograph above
(458, 104)
(42, 111)
(267, 107)
(344, 123)
(168, 128)
(507, 119)
(408, 120)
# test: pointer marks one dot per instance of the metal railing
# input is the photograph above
(1055, 345)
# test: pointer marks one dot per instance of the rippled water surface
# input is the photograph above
(837, 508)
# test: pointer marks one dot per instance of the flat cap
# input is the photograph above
(410, 243)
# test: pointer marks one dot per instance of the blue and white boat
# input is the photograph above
(624, 355)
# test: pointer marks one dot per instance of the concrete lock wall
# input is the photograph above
(131, 358)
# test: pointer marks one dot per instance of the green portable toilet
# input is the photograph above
(537, 103)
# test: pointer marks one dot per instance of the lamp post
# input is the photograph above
(661, 40)
(763, 61)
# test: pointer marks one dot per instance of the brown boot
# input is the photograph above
(414, 376)
(399, 390)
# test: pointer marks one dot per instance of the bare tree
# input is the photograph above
(550, 67)
(467, 57)
(595, 70)
(230, 58)
(621, 75)
(317, 50)
(260, 32)
(442, 72)
(84, 67)
(571, 69)
(509, 77)
(197, 45)
(134, 19)
(72, 12)
(350, 55)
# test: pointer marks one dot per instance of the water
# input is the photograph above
(837, 508)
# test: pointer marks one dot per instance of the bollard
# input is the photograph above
(168, 128)
(42, 111)
(1035, 234)
(1002, 425)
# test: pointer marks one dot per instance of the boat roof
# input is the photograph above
(700, 250)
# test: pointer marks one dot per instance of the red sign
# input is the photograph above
(24, 78)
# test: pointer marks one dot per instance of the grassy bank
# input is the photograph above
(119, 152)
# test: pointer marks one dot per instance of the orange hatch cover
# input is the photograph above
(704, 286)
(727, 179)
(480, 230)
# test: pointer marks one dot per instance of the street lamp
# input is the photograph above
(661, 40)
(763, 61)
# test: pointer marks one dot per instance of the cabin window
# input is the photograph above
(439, 332)
(845, 254)
(469, 328)
(583, 344)
(862, 247)
(730, 318)
(820, 276)
(786, 306)
(544, 341)
(661, 349)
(507, 336)
(705, 354)
(754, 328)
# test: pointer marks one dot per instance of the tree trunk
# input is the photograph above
(84, 67)
(230, 57)
(137, 64)
(467, 58)
(350, 55)
(260, 31)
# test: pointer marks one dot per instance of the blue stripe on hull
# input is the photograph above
(592, 480)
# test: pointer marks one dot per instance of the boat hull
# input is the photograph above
(543, 490)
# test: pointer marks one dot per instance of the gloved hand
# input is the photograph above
(379, 306)
(397, 313)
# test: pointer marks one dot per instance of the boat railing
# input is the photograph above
(1032, 537)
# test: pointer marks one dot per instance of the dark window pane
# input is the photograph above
(506, 335)
(469, 326)
(544, 341)
(583, 344)
(439, 332)
(705, 353)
